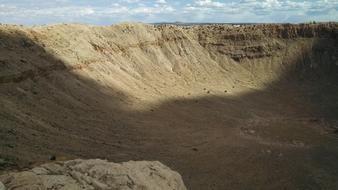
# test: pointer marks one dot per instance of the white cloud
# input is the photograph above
(161, 1)
(56, 12)
(209, 3)
(41, 11)
(151, 10)
(129, 1)
(277, 9)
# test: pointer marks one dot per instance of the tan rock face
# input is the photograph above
(95, 174)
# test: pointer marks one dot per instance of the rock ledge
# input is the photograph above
(96, 174)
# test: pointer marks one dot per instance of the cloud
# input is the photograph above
(129, 1)
(209, 4)
(264, 10)
(151, 10)
(107, 11)
(161, 1)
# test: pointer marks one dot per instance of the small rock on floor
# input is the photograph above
(52, 158)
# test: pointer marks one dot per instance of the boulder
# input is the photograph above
(96, 174)
(2, 186)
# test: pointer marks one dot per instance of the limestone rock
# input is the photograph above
(96, 174)
(2, 186)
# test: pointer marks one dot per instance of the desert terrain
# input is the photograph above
(228, 107)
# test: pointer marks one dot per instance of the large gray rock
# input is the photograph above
(96, 174)
(2, 186)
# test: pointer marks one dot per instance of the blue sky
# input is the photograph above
(106, 12)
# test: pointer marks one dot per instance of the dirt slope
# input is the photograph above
(250, 107)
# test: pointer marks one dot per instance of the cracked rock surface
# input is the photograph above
(96, 174)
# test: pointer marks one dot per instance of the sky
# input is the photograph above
(107, 12)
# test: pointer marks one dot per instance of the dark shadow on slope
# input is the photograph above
(47, 110)
(272, 139)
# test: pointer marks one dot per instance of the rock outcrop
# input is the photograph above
(95, 174)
